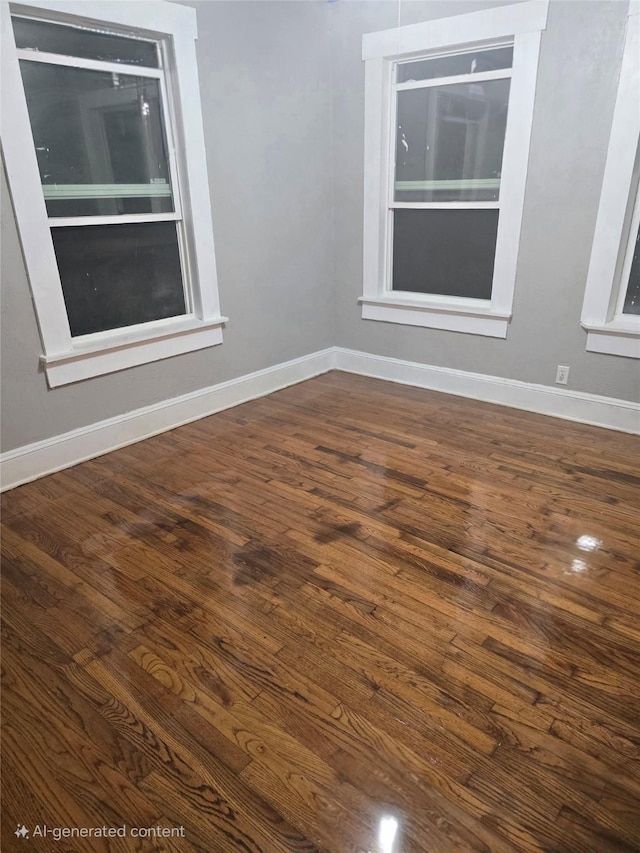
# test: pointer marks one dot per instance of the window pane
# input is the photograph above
(448, 252)
(632, 298)
(119, 275)
(450, 140)
(473, 62)
(99, 139)
(86, 44)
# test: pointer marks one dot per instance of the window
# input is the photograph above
(630, 292)
(448, 114)
(611, 309)
(103, 145)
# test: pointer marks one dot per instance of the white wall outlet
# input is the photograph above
(562, 374)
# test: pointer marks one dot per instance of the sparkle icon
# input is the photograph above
(21, 831)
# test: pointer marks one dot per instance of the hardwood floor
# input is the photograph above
(351, 616)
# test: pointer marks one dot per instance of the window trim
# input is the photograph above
(609, 331)
(522, 24)
(66, 359)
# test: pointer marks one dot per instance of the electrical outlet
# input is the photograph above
(562, 374)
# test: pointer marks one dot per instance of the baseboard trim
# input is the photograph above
(570, 405)
(62, 451)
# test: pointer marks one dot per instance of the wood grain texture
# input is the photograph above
(347, 602)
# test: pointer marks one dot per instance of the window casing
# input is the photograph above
(441, 230)
(136, 224)
(611, 313)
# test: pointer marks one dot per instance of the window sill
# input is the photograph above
(96, 355)
(469, 315)
(619, 337)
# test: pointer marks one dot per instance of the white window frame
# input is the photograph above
(521, 25)
(68, 359)
(608, 330)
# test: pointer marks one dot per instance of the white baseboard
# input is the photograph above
(558, 402)
(62, 451)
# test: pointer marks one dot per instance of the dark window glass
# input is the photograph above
(85, 44)
(632, 298)
(473, 62)
(99, 140)
(450, 140)
(448, 252)
(119, 275)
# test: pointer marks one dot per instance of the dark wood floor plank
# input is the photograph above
(345, 603)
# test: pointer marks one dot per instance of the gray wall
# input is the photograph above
(264, 73)
(282, 94)
(577, 81)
